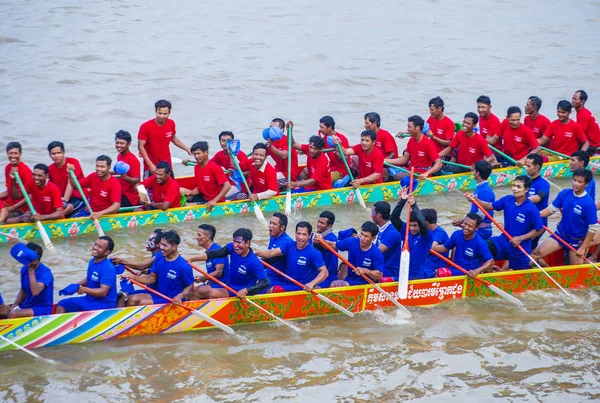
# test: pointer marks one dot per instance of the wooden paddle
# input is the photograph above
(405, 255)
(313, 292)
(25, 350)
(231, 290)
(456, 164)
(288, 193)
(427, 179)
(16, 238)
(489, 285)
(40, 227)
(366, 278)
(99, 229)
(356, 190)
(569, 246)
(555, 153)
(508, 158)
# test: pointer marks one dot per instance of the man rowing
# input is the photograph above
(99, 286)
(261, 174)
(441, 127)
(518, 139)
(580, 160)
(304, 263)
(164, 189)
(277, 146)
(586, 120)
(59, 175)
(489, 124)
(278, 238)
(564, 134)
(389, 240)
(438, 237)
(3, 212)
(370, 159)
(539, 189)
(130, 178)
(317, 174)
(537, 122)
(223, 157)
(384, 141)
(325, 230)
(212, 184)
(13, 196)
(336, 163)
(217, 267)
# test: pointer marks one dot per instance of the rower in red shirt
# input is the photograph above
(441, 127)
(278, 150)
(58, 174)
(336, 164)
(155, 137)
(212, 184)
(45, 197)
(222, 157)
(164, 189)
(519, 140)
(370, 159)
(316, 175)
(3, 212)
(105, 189)
(565, 135)
(534, 119)
(421, 153)
(586, 120)
(472, 147)
(129, 180)
(385, 141)
(12, 196)
(489, 124)
(262, 177)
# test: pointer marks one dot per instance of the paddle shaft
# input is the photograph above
(555, 152)
(456, 164)
(16, 238)
(407, 171)
(510, 159)
(41, 229)
(86, 202)
(289, 155)
(570, 246)
(25, 350)
(356, 189)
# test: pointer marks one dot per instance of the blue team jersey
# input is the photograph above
(371, 259)
(244, 272)
(591, 189)
(389, 236)
(331, 261)
(484, 192)
(519, 219)
(302, 264)
(211, 263)
(432, 263)
(102, 273)
(46, 297)
(538, 185)
(279, 261)
(578, 213)
(172, 277)
(470, 254)
(1, 299)
(418, 247)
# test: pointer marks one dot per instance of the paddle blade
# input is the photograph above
(233, 145)
(403, 276)
(143, 193)
(333, 304)
(288, 203)
(175, 160)
(44, 235)
(360, 198)
(505, 295)
(259, 214)
(99, 229)
(213, 322)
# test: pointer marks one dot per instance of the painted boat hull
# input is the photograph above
(81, 327)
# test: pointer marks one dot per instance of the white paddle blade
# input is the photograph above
(23, 349)
(394, 301)
(403, 276)
(259, 214)
(175, 160)
(143, 193)
(99, 229)
(333, 304)
(213, 322)
(360, 198)
(506, 295)
(288, 203)
(44, 235)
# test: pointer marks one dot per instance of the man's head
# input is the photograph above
(581, 178)
(153, 242)
(533, 165)
(430, 215)
(436, 107)
(259, 154)
(241, 240)
(205, 234)
(40, 175)
(169, 243)
(469, 122)
(303, 233)
(315, 146)
(39, 251)
(325, 221)
(122, 141)
(163, 172)
(513, 114)
(372, 121)
(578, 99)
(163, 110)
(277, 224)
(327, 126)
(563, 110)
(415, 125)
(413, 226)
(579, 159)
(380, 213)
(521, 186)
(56, 149)
(103, 164)
(200, 152)
(483, 169)
(278, 122)
(103, 247)
(367, 140)
(13, 151)
(223, 137)
(368, 233)
(470, 224)
(484, 106)
(533, 104)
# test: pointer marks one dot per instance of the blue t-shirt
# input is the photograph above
(330, 259)
(538, 185)
(591, 189)
(391, 238)
(46, 297)
(484, 192)
(371, 259)
(212, 263)
(519, 219)
(440, 236)
(1, 299)
(244, 272)
(470, 254)
(302, 264)
(102, 273)
(578, 213)
(172, 277)
(418, 247)
(279, 261)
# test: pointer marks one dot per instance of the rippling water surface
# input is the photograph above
(78, 72)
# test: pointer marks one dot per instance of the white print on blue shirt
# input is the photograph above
(301, 261)
(172, 274)
(469, 252)
(95, 276)
(367, 262)
(577, 209)
(521, 218)
(242, 270)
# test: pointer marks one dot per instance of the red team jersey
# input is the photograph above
(538, 126)
(281, 164)
(386, 143)
(26, 177)
(167, 192)
(567, 138)
(369, 163)
(60, 176)
(442, 129)
(223, 160)
(335, 165)
(45, 201)
(422, 153)
(210, 179)
(517, 142)
(158, 140)
(488, 127)
(261, 181)
(102, 194)
(127, 189)
(588, 123)
(318, 169)
(470, 149)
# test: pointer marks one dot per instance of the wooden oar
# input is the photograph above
(288, 193)
(25, 350)
(489, 285)
(570, 247)
(231, 290)
(555, 152)
(87, 203)
(194, 312)
(313, 292)
(405, 255)
(484, 211)
(16, 238)
(456, 164)
(427, 179)
(366, 278)
(40, 227)
(356, 190)
(508, 158)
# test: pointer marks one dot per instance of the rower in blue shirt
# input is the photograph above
(304, 262)
(36, 295)
(539, 190)
(100, 284)
(439, 237)
(246, 274)
(483, 191)
(278, 239)
(4, 308)
(217, 267)
(389, 240)
(472, 252)
(522, 221)
(578, 223)
(580, 160)
(325, 229)
(172, 275)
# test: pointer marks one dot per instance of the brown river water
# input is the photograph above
(78, 72)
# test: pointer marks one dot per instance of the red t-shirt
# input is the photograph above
(335, 165)
(26, 177)
(470, 149)
(158, 140)
(102, 194)
(60, 176)
(46, 200)
(210, 179)
(539, 125)
(167, 192)
(422, 153)
(442, 129)
(222, 159)
(386, 143)
(517, 142)
(281, 164)
(261, 181)
(318, 169)
(588, 123)
(2, 205)
(127, 189)
(567, 138)
(369, 163)
(488, 127)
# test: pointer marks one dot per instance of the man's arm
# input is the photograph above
(58, 214)
(217, 273)
(321, 276)
(543, 140)
(400, 161)
(146, 279)
(95, 292)
(144, 154)
(3, 214)
(114, 208)
(446, 151)
(175, 140)
(488, 264)
(224, 189)
(437, 165)
(269, 253)
(20, 297)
